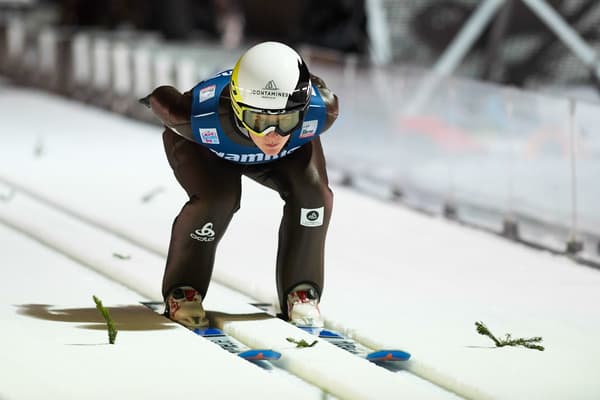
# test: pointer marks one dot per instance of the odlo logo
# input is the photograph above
(312, 216)
(204, 234)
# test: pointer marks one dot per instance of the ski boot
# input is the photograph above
(184, 305)
(303, 307)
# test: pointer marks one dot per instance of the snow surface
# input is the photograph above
(397, 277)
(54, 342)
(139, 269)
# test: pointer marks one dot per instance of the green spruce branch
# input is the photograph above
(112, 331)
(301, 343)
(508, 340)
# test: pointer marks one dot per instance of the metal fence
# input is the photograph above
(515, 163)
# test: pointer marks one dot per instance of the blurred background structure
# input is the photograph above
(482, 111)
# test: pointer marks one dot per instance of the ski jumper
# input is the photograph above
(208, 160)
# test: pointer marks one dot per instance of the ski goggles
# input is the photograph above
(263, 122)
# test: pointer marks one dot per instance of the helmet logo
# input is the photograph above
(270, 91)
(271, 85)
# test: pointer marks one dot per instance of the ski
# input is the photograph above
(353, 347)
(388, 358)
(228, 343)
(225, 341)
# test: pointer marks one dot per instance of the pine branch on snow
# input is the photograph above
(530, 343)
(112, 331)
(301, 343)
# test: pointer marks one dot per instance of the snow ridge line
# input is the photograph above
(414, 366)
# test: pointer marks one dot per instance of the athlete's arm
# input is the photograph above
(172, 108)
(330, 99)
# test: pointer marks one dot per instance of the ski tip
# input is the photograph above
(388, 355)
(255, 355)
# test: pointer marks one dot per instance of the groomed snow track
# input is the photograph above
(324, 366)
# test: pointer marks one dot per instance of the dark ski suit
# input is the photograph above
(209, 163)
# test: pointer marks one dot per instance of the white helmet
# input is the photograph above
(270, 89)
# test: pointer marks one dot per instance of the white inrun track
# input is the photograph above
(393, 278)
